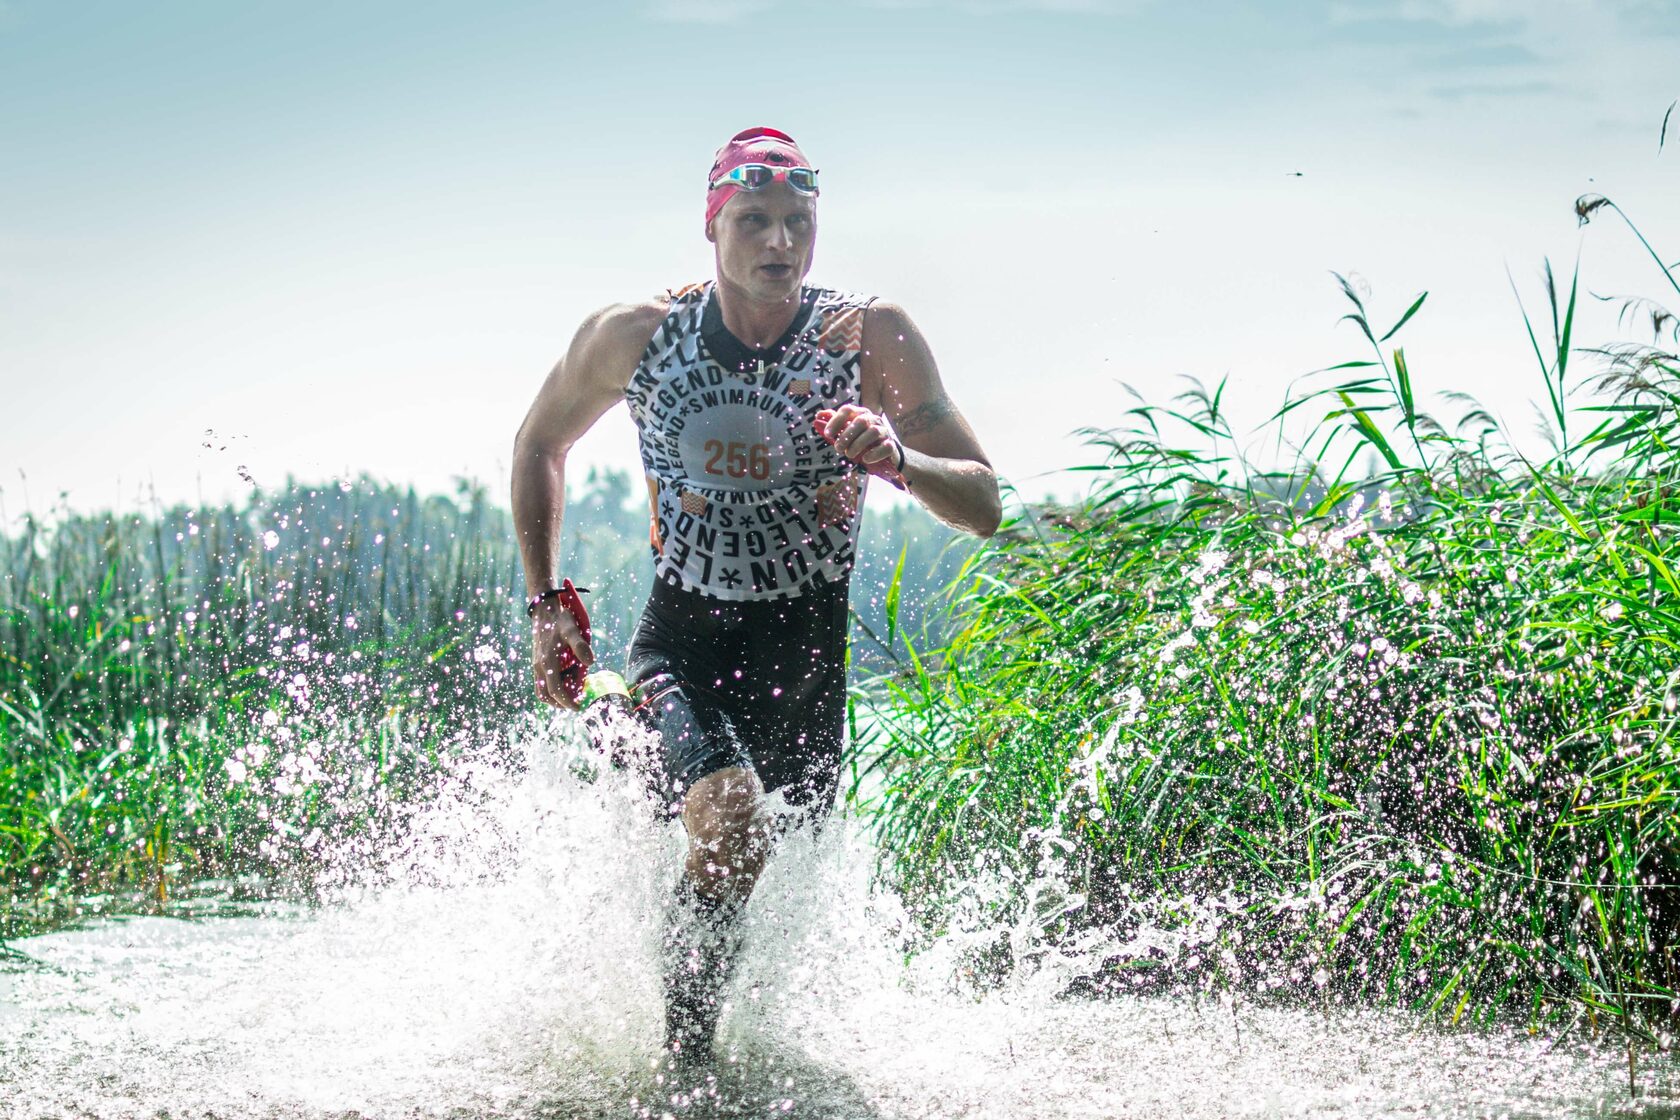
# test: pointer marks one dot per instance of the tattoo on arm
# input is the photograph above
(925, 417)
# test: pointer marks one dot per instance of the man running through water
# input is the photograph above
(762, 405)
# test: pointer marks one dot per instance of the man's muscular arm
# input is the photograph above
(947, 471)
(585, 383)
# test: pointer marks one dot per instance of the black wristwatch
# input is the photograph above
(539, 600)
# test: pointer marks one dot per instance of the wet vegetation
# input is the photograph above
(1394, 720)
(218, 691)
(245, 690)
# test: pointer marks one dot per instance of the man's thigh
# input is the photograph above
(796, 746)
(760, 685)
(695, 737)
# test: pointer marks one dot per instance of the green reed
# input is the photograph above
(138, 654)
(275, 688)
(1395, 720)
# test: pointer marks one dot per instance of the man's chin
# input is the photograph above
(763, 287)
(773, 288)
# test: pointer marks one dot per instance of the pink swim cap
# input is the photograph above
(754, 145)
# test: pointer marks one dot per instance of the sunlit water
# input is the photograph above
(510, 970)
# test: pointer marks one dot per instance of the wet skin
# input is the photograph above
(764, 243)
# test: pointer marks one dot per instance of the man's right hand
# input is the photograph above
(583, 385)
(560, 655)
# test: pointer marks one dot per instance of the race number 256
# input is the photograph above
(739, 460)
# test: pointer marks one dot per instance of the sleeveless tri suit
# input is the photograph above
(739, 657)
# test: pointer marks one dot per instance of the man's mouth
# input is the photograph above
(776, 270)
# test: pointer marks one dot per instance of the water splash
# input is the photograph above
(502, 962)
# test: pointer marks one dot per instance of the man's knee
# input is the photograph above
(724, 799)
(723, 814)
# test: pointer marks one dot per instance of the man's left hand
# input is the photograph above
(864, 437)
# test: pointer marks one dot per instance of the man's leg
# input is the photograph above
(705, 775)
(790, 722)
(726, 836)
(727, 846)
(781, 729)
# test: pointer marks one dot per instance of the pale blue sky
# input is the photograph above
(354, 236)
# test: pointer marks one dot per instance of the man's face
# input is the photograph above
(764, 241)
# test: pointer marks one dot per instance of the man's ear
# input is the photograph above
(711, 234)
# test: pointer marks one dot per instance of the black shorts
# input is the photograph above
(752, 684)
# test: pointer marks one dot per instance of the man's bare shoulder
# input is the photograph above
(885, 324)
(893, 345)
(621, 325)
(611, 341)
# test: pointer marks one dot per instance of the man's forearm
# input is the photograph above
(539, 499)
(962, 493)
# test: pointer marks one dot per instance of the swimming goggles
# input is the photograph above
(755, 176)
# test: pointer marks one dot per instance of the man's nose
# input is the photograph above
(781, 237)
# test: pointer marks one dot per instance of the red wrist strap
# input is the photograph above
(572, 671)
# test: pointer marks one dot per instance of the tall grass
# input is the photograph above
(210, 690)
(1394, 720)
(271, 688)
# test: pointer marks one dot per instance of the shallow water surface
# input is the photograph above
(507, 968)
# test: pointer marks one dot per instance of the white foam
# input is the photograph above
(506, 967)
